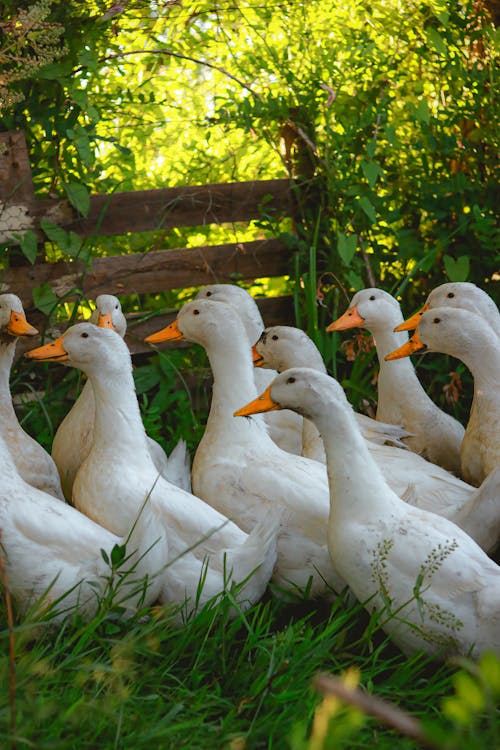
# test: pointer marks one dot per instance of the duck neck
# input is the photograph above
(118, 424)
(483, 360)
(397, 378)
(7, 350)
(357, 486)
(234, 383)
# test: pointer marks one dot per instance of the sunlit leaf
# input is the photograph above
(457, 270)
(78, 196)
(29, 245)
(371, 171)
(436, 40)
(368, 208)
(346, 246)
(44, 298)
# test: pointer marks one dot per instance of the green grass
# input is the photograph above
(216, 682)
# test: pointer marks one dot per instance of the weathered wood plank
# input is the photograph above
(164, 208)
(145, 273)
(16, 183)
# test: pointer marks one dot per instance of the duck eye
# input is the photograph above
(275, 338)
(196, 312)
(437, 320)
(85, 336)
(372, 297)
(116, 306)
(208, 294)
(290, 380)
(450, 295)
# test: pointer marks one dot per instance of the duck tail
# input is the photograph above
(382, 433)
(178, 469)
(251, 565)
(479, 516)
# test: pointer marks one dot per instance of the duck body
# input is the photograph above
(239, 469)
(436, 436)
(118, 479)
(52, 552)
(32, 461)
(414, 479)
(433, 586)
(73, 439)
(467, 336)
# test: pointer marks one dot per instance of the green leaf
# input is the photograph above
(69, 242)
(436, 40)
(79, 96)
(368, 208)
(118, 554)
(346, 246)
(55, 233)
(145, 378)
(355, 281)
(29, 245)
(88, 58)
(54, 70)
(74, 245)
(371, 147)
(78, 196)
(44, 298)
(422, 111)
(82, 144)
(457, 270)
(371, 171)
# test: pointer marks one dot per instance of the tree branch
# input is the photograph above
(387, 713)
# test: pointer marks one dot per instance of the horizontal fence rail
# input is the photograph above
(156, 271)
(139, 211)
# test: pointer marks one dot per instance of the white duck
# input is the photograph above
(468, 337)
(437, 436)
(431, 488)
(53, 553)
(284, 428)
(281, 347)
(433, 586)
(32, 461)
(240, 470)
(73, 438)
(207, 552)
(461, 294)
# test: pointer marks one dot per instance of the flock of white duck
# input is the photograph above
(401, 510)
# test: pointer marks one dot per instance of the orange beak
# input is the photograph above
(350, 319)
(412, 323)
(53, 352)
(258, 359)
(262, 403)
(19, 326)
(413, 346)
(105, 321)
(170, 333)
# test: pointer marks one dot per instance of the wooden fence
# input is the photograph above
(140, 211)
